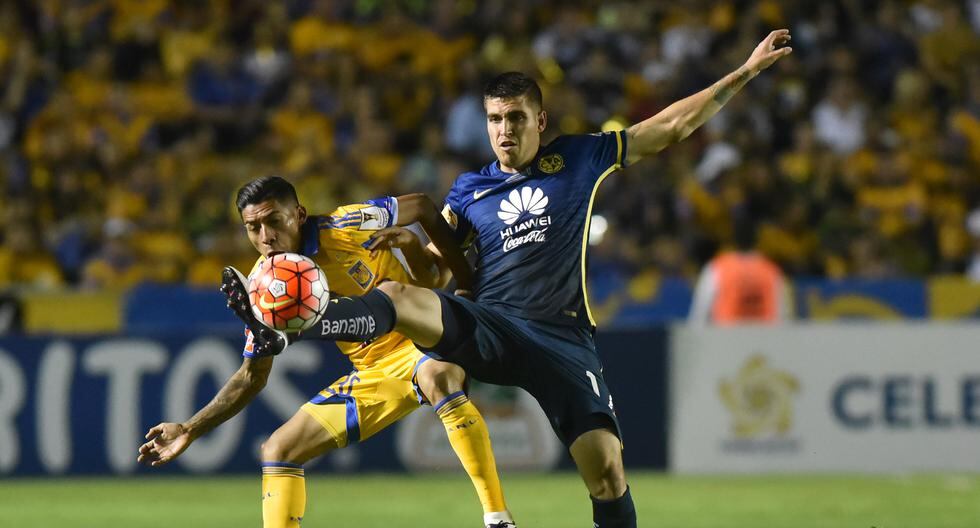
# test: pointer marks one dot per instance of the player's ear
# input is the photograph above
(542, 121)
(301, 213)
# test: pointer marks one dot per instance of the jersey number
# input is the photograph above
(595, 384)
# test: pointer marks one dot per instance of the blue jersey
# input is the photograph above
(530, 229)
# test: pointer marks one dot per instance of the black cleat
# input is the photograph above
(266, 341)
(502, 524)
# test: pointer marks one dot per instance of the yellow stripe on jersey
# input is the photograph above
(588, 219)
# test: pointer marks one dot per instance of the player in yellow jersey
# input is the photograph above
(390, 376)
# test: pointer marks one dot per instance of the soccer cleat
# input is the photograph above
(266, 341)
(501, 519)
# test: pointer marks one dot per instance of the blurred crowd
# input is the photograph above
(126, 126)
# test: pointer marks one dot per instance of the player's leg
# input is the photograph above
(294, 443)
(412, 311)
(566, 379)
(353, 408)
(409, 310)
(442, 384)
(598, 456)
(417, 310)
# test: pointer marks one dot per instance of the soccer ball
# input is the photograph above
(288, 292)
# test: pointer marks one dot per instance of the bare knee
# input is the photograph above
(418, 314)
(294, 444)
(399, 293)
(607, 480)
(275, 450)
(599, 457)
(439, 379)
(392, 288)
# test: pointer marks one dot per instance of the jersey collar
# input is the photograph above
(508, 177)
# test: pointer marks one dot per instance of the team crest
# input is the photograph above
(361, 274)
(551, 163)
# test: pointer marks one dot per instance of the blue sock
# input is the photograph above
(362, 318)
(615, 513)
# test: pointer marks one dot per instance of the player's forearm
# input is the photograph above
(450, 256)
(237, 392)
(680, 119)
(708, 102)
(420, 208)
(424, 265)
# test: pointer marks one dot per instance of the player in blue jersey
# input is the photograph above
(527, 215)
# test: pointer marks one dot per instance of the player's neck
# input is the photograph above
(508, 170)
(514, 170)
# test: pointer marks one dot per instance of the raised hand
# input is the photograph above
(166, 442)
(391, 237)
(771, 49)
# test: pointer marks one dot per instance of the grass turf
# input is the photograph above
(539, 501)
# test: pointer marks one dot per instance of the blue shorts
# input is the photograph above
(558, 365)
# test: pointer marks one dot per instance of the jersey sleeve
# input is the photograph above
(602, 151)
(371, 215)
(386, 209)
(452, 212)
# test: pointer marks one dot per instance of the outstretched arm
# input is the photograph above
(420, 208)
(678, 120)
(166, 441)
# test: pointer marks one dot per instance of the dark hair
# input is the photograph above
(266, 188)
(513, 84)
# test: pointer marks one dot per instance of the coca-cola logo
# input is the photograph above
(532, 236)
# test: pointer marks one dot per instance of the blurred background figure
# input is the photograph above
(741, 285)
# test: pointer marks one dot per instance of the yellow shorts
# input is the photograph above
(360, 404)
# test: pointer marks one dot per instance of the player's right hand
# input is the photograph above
(166, 441)
(772, 48)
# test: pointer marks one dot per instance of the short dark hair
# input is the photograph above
(513, 84)
(266, 188)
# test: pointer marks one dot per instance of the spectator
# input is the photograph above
(839, 119)
(741, 286)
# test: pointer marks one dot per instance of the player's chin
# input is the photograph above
(507, 157)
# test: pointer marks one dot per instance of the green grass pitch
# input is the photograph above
(538, 501)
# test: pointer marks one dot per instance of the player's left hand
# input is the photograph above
(771, 49)
(166, 442)
(391, 237)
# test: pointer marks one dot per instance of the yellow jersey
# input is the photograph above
(337, 243)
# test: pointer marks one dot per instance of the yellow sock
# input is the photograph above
(470, 439)
(283, 495)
